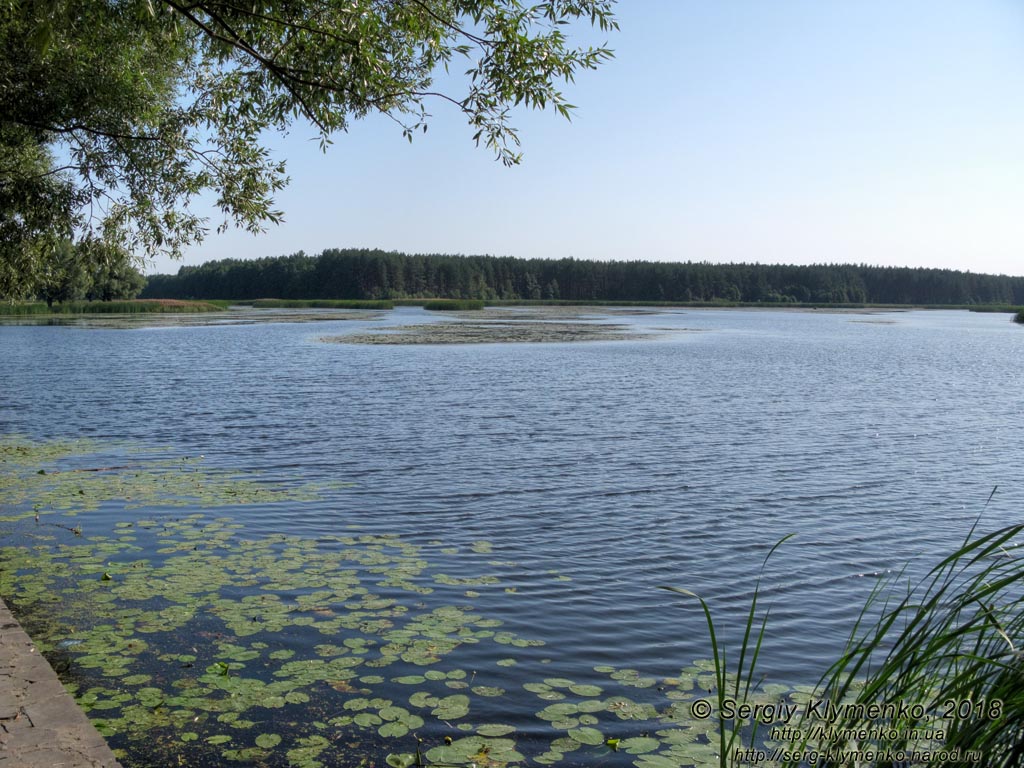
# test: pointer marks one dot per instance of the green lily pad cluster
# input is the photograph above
(642, 732)
(201, 638)
(478, 750)
(189, 641)
(49, 477)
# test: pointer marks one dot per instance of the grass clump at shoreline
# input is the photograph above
(937, 678)
(950, 645)
(733, 686)
(125, 307)
(1019, 317)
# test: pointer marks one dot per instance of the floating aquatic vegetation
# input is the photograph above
(238, 315)
(52, 476)
(189, 640)
(508, 330)
(227, 670)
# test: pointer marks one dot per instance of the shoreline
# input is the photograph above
(41, 726)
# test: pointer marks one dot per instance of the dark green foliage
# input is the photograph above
(1003, 308)
(109, 307)
(377, 275)
(67, 276)
(115, 116)
(453, 305)
(113, 275)
(86, 270)
(1019, 317)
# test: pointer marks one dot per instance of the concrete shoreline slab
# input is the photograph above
(40, 724)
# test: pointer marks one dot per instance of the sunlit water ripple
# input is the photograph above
(622, 465)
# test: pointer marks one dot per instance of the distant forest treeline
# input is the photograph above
(374, 274)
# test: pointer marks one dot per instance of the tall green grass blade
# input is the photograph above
(730, 738)
(950, 641)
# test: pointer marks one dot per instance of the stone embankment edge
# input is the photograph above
(40, 724)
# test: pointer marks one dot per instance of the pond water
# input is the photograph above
(529, 498)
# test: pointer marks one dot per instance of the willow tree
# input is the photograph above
(115, 114)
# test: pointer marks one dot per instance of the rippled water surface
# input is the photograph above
(875, 438)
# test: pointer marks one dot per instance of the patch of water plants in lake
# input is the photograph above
(42, 477)
(189, 641)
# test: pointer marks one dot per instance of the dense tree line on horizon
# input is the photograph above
(376, 274)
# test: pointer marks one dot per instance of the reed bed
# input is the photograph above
(127, 307)
(951, 645)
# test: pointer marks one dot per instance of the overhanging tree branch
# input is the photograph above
(158, 101)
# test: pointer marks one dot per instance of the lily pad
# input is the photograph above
(590, 736)
(495, 729)
(392, 730)
(558, 682)
(410, 679)
(639, 745)
(558, 711)
(452, 707)
(485, 690)
(423, 699)
(475, 749)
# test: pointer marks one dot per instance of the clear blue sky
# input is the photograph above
(783, 131)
